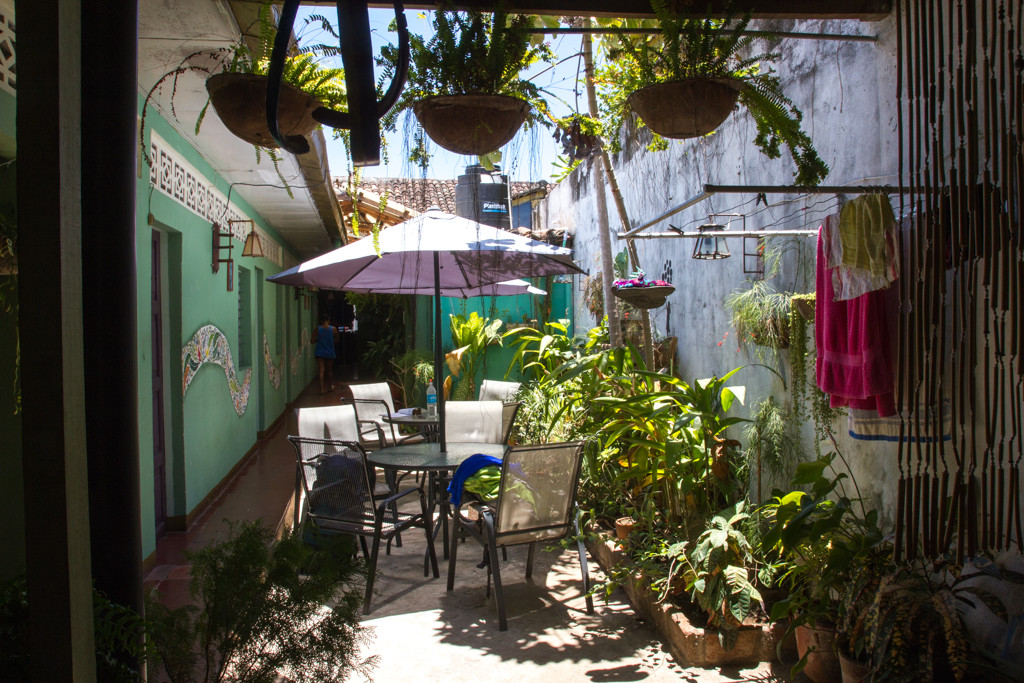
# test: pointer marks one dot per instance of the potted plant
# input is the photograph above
(822, 540)
(464, 84)
(686, 81)
(641, 292)
(760, 314)
(236, 82)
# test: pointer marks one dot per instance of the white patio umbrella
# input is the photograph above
(434, 254)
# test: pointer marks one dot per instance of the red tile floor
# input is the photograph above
(262, 489)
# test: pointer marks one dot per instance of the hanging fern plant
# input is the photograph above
(704, 52)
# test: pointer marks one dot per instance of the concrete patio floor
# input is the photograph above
(422, 632)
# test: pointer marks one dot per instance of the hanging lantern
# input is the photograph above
(711, 247)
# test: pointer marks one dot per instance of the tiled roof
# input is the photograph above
(419, 194)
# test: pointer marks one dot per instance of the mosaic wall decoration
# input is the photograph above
(273, 371)
(303, 348)
(209, 345)
(179, 180)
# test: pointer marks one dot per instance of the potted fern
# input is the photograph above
(236, 81)
(686, 82)
(464, 84)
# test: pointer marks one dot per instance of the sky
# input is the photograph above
(529, 156)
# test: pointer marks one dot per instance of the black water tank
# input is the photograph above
(482, 196)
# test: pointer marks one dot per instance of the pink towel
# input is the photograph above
(854, 365)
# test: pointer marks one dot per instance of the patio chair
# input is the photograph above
(476, 421)
(337, 423)
(337, 482)
(509, 410)
(496, 390)
(536, 503)
(371, 401)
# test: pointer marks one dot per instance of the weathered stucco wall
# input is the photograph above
(847, 91)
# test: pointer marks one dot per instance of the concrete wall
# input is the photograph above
(847, 92)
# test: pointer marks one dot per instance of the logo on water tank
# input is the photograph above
(494, 207)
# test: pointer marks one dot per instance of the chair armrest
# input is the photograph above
(372, 426)
(386, 502)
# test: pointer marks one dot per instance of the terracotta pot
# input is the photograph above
(805, 308)
(822, 661)
(623, 527)
(471, 124)
(688, 108)
(240, 100)
(853, 670)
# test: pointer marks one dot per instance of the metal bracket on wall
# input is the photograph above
(218, 254)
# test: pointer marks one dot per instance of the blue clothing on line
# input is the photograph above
(324, 342)
(467, 469)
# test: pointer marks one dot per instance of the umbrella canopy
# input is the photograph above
(433, 254)
(470, 255)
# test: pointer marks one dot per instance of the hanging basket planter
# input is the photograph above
(471, 124)
(240, 100)
(644, 297)
(688, 108)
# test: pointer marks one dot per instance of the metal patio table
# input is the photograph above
(424, 424)
(427, 457)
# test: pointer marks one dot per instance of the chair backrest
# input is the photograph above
(376, 391)
(336, 481)
(509, 410)
(537, 493)
(476, 421)
(337, 423)
(496, 390)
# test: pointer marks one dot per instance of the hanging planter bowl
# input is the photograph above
(240, 100)
(688, 108)
(471, 124)
(644, 297)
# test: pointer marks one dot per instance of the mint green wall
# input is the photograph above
(205, 437)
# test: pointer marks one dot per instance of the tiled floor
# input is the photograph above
(262, 489)
(423, 632)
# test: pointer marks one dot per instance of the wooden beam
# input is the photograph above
(864, 10)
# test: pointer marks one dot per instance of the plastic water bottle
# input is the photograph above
(431, 400)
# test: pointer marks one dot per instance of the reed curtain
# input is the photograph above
(961, 322)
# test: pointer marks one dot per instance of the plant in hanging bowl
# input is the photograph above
(641, 292)
(760, 314)
(686, 81)
(236, 82)
(464, 83)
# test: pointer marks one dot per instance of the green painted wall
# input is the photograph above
(204, 436)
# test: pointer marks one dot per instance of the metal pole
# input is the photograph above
(438, 376)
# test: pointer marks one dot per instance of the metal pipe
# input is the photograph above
(619, 30)
(724, 233)
(671, 212)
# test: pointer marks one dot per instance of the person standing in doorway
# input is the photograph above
(325, 336)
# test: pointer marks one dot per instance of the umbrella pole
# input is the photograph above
(438, 375)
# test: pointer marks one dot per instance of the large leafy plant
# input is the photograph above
(718, 571)
(471, 337)
(689, 47)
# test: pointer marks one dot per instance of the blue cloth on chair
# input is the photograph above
(467, 469)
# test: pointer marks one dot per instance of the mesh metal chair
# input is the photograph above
(371, 401)
(496, 390)
(536, 503)
(476, 421)
(337, 482)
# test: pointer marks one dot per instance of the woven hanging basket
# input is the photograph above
(686, 109)
(240, 100)
(471, 124)
(644, 297)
